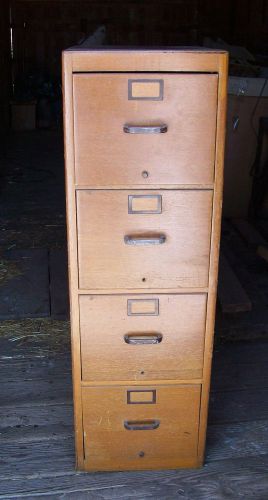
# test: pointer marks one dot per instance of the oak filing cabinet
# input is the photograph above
(144, 145)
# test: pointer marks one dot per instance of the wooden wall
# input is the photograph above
(43, 28)
(5, 72)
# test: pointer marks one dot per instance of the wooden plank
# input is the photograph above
(35, 369)
(135, 291)
(241, 352)
(240, 366)
(36, 391)
(231, 294)
(238, 406)
(35, 457)
(218, 480)
(67, 78)
(215, 246)
(58, 273)
(237, 440)
(235, 365)
(131, 60)
(251, 326)
(185, 187)
(223, 439)
(40, 433)
(39, 414)
(248, 232)
(25, 295)
(227, 376)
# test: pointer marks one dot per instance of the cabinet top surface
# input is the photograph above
(115, 58)
(145, 49)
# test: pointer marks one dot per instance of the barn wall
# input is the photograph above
(43, 28)
(5, 72)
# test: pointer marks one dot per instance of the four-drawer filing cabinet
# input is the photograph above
(144, 145)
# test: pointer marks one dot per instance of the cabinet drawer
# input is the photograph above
(143, 239)
(182, 153)
(140, 427)
(144, 337)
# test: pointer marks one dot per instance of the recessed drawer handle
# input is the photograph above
(145, 129)
(143, 338)
(145, 240)
(141, 425)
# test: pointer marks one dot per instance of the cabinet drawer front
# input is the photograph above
(140, 427)
(141, 130)
(118, 249)
(168, 344)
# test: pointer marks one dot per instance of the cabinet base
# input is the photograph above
(193, 463)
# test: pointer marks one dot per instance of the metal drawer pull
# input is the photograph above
(143, 338)
(141, 425)
(145, 240)
(145, 129)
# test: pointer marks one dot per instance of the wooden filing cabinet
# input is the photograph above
(144, 146)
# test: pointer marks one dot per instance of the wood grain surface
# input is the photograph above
(105, 355)
(105, 155)
(37, 449)
(104, 165)
(104, 221)
(215, 245)
(170, 445)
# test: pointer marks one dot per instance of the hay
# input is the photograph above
(38, 337)
(9, 269)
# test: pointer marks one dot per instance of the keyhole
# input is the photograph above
(142, 373)
(143, 279)
(141, 454)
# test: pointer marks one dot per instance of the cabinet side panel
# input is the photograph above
(72, 252)
(215, 245)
